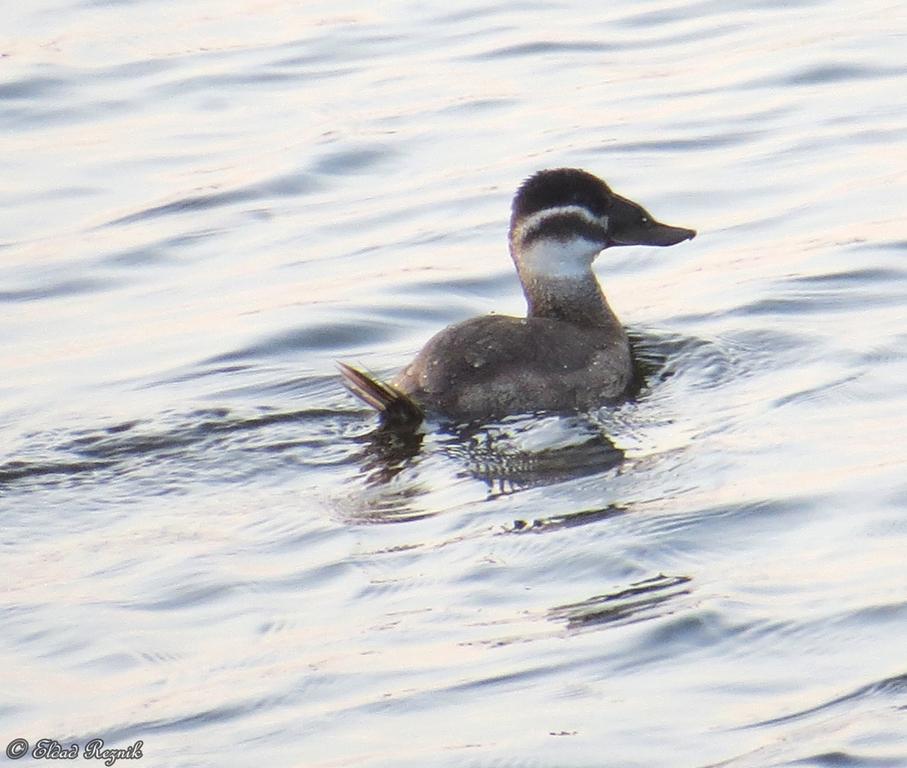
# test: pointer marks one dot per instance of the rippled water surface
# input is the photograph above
(208, 549)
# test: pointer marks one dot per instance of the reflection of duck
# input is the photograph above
(569, 352)
(527, 452)
(503, 455)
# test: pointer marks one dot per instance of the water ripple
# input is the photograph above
(892, 689)
(279, 186)
(55, 288)
(541, 48)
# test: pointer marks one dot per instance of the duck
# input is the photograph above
(569, 353)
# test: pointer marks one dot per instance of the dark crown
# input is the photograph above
(560, 187)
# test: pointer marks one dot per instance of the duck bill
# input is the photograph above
(631, 224)
(652, 233)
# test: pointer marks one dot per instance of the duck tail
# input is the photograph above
(393, 406)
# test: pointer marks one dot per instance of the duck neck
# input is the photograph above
(577, 299)
(556, 274)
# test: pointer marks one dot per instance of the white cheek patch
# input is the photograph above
(554, 257)
(566, 259)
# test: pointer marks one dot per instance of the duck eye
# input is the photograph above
(646, 220)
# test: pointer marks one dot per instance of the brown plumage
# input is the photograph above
(395, 407)
(569, 353)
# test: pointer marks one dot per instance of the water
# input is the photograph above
(208, 550)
